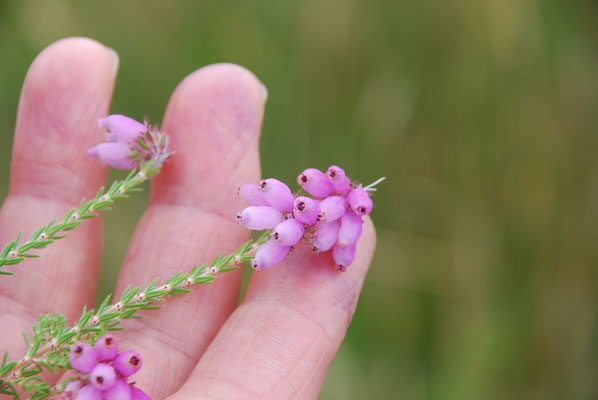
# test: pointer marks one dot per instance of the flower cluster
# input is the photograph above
(331, 219)
(104, 372)
(129, 142)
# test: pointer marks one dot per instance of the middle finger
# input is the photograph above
(213, 118)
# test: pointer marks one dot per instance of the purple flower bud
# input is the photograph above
(333, 207)
(360, 201)
(115, 154)
(268, 255)
(343, 256)
(82, 357)
(102, 376)
(72, 388)
(119, 391)
(138, 394)
(277, 194)
(89, 392)
(106, 348)
(339, 180)
(252, 195)
(121, 128)
(350, 231)
(306, 210)
(326, 236)
(257, 218)
(316, 183)
(127, 363)
(288, 232)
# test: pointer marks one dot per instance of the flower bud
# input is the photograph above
(343, 256)
(102, 376)
(306, 210)
(288, 232)
(277, 194)
(119, 391)
(257, 218)
(89, 392)
(351, 226)
(106, 348)
(360, 201)
(72, 388)
(127, 363)
(332, 208)
(115, 154)
(82, 357)
(339, 180)
(252, 195)
(315, 182)
(326, 236)
(138, 394)
(121, 128)
(268, 255)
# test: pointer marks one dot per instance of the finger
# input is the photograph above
(279, 343)
(67, 88)
(214, 119)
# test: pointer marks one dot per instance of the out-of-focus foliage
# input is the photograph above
(483, 116)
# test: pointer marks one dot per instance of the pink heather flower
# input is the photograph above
(360, 201)
(326, 236)
(102, 376)
(268, 255)
(288, 232)
(306, 210)
(122, 128)
(89, 392)
(127, 363)
(257, 218)
(351, 226)
(82, 357)
(339, 180)
(119, 391)
(72, 388)
(343, 256)
(316, 183)
(138, 394)
(277, 194)
(115, 154)
(332, 208)
(252, 195)
(106, 348)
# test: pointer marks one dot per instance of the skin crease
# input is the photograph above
(278, 343)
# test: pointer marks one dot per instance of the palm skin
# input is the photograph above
(277, 344)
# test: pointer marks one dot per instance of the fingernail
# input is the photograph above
(116, 59)
(265, 92)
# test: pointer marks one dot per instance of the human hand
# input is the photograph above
(278, 343)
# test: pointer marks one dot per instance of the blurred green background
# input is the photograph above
(481, 113)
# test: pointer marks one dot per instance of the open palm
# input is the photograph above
(277, 344)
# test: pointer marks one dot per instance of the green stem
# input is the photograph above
(14, 253)
(51, 341)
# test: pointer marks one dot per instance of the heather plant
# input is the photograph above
(315, 234)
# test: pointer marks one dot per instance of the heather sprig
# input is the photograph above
(48, 348)
(147, 152)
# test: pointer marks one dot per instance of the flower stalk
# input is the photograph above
(49, 347)
(14, 253)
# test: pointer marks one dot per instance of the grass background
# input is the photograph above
(482, 114)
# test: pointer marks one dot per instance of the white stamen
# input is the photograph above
(371, 188)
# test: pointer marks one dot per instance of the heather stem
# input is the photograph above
(14, 253)
(51, 339)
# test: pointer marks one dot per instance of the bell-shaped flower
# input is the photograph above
(121, 128)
